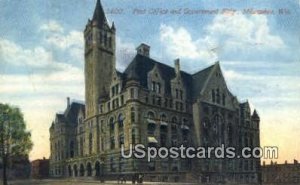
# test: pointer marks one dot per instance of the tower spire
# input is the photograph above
(99, 15)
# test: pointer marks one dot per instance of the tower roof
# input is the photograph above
(255, 115)
(99, 15)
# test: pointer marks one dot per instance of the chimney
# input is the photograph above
(144, 50)
(68, 102)
(177, 66)
(295, 161)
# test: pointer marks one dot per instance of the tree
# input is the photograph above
(15, 140)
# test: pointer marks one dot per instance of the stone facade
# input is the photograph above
(153, 104)
(285, 174)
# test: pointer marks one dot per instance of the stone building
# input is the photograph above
(40, 168)
(153, 104)
(285, 174)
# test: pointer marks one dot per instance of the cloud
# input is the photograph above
(52, 26)
(70, 43)
(73, 39)
(180, 41)
(240, 30)
(40, 92)
(125, 52)
(241, 34)
(14, 54)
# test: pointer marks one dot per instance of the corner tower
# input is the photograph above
(99, 59)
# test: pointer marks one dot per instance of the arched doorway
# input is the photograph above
(70, 171)
(89, 169)
(97, 168)
(81, 170)
(75, 170)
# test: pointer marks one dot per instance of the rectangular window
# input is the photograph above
(122, 100)
(153, 87)
(158, 88)
(113, 91)
(101, 108)
(108, 106)
(176, 93)
(166, 102)
(117, 102)
(181, 95)
(131, 93)
(159, 101)
(117, 89)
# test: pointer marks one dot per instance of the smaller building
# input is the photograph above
(40, 168)
(287, 173)
(18, 167)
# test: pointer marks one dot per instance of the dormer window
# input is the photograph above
(156, 87)
(115, 90)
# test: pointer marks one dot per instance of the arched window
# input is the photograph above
(75, 170)
(150, 115)
(121, 122)
(163, 117)
(151, 129)
(89, 169)
(81, 171)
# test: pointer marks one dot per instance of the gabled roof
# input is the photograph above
(199, 80)
(72, 112)
(140, 66)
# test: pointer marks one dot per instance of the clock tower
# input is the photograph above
(100, 59)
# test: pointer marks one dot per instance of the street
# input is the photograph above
(78, 182)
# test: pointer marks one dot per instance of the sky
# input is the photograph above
(41, 55)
